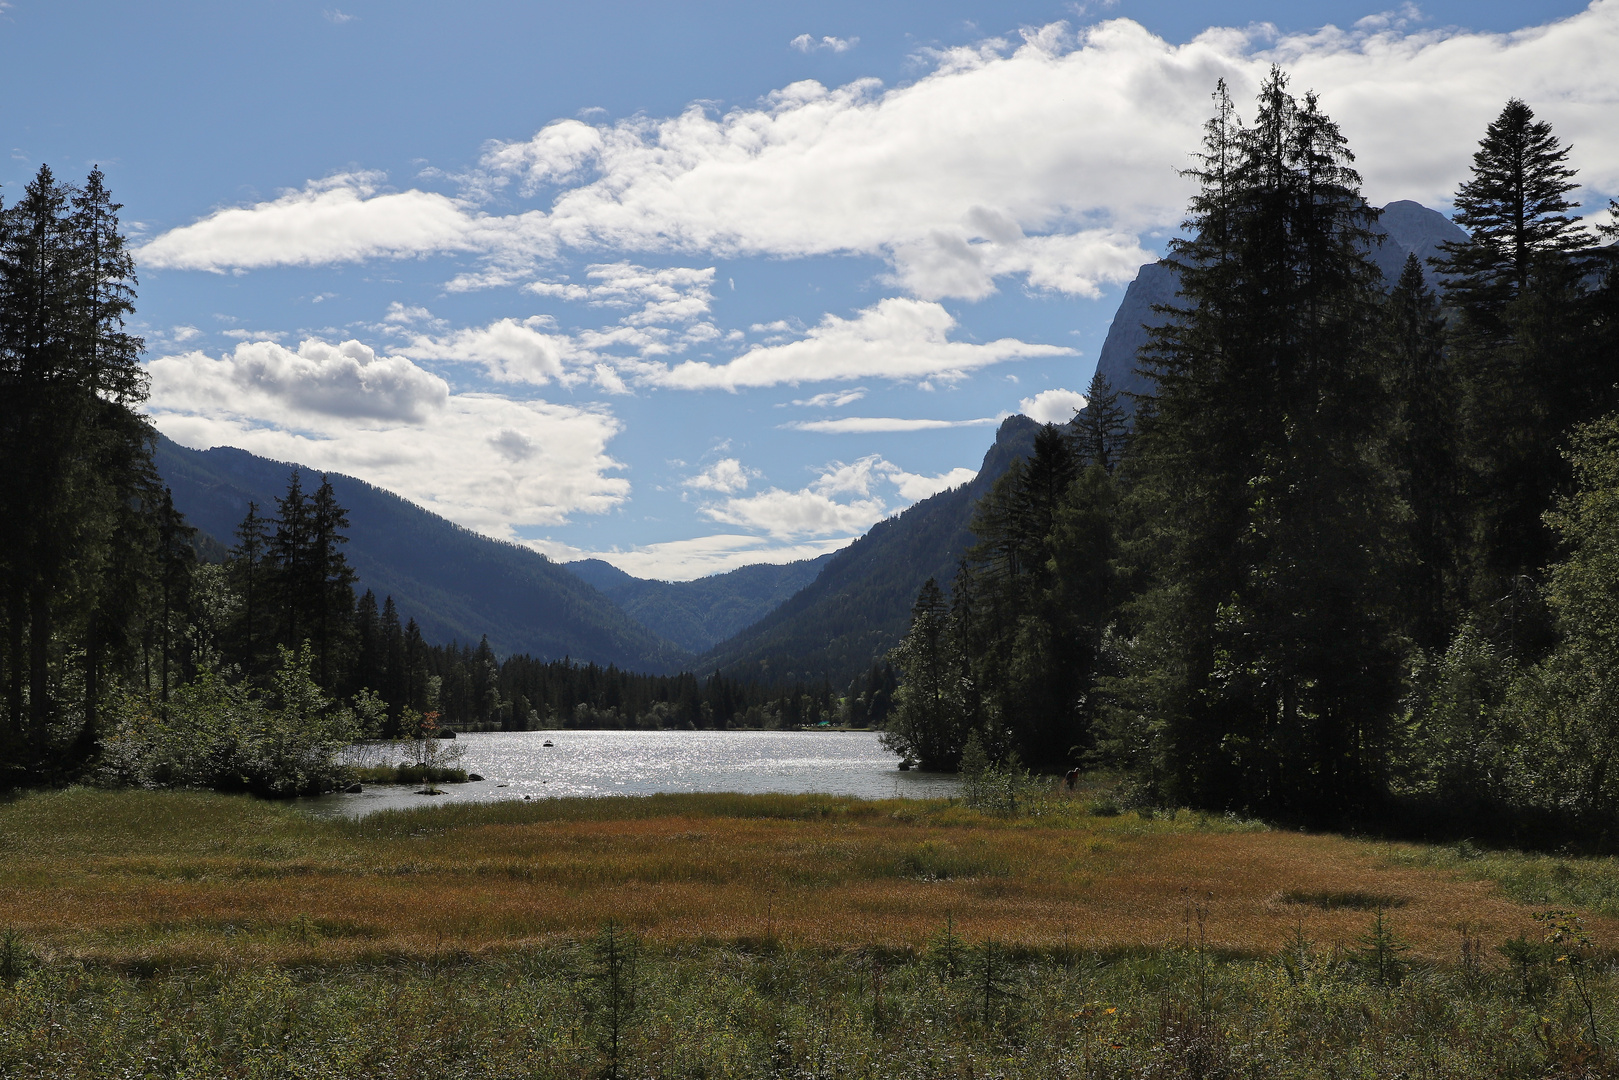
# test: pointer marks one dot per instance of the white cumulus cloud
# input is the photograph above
(510, 350)
(339, 219)
(671, 294)
(1053, 158)
(914, 487)
(1052, 406)
(346, 381)
(557, 153)
(727, 475)
(896, 338)
(482, 460)
(845, 499)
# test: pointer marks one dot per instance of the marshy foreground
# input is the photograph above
(182, 934)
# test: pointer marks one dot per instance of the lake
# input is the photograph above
(590, 763)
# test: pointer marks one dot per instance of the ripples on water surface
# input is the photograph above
(646, 762)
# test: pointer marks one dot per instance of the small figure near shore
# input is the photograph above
(1071, 780)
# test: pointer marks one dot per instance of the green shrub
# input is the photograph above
(215, 733)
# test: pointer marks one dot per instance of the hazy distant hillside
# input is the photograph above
(456, 584)
(696, 615)
(860, 605)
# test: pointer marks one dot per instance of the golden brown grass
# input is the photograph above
(133, 877)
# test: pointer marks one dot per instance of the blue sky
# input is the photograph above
(706, 284)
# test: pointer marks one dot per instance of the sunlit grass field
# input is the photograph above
(195, 935)
(158, 879)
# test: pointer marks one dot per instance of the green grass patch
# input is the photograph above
(575, 1009)
(1589, 883)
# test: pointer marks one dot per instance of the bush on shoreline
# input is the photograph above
(219, 734)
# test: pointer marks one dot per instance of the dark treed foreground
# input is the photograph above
(1357, 560)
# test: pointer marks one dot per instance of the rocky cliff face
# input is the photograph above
(1410, 228)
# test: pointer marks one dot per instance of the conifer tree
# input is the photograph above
(395, 682)
(248, 558)
(1272, 669)
(1423, 445)
(332, 582)
(78, 457)
(418, 687)
(1519, 290)
(1020, 639)
(928, 722)
(292, 563)
(108, 354)
(1101, 424)
(1514, 209)
(369, 646)
(175, 559)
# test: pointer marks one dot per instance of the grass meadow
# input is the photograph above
(188, 934)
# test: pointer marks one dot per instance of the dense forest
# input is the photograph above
(285, 585)
(136, 650)
(1357, 550)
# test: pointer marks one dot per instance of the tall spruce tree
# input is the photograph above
(293, 566)
(78, 476)
(1515, 210)
(175, 559)
(248, 573)
(1519, 291)
(370, 648)
(1423, 445)
(1101, 424)
(1263, 637)
(928, 722)
(332, 581)
(1019, 639)
(395, 680)
(419, 693)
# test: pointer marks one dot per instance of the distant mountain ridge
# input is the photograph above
(456, 584)
(860, 604)
(1409, 228)
(825, 618)
(696, 615)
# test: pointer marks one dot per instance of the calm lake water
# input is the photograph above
(518, 763)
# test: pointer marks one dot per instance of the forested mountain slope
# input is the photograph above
(1409, 228)
(860, 605)
(456, 584)
(696, 615)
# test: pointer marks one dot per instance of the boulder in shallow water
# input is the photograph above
(353, 789)
(473, 778)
